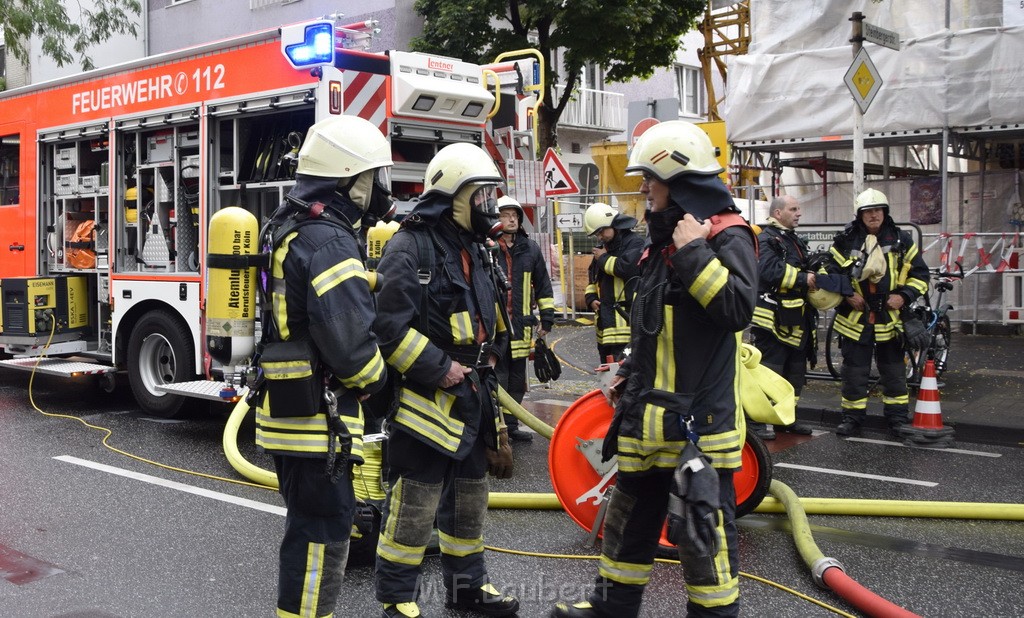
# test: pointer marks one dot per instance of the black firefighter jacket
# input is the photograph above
(458, 315)
(319, 293)
(691, 307)
(529, 282)
(612, 280)
(782, 307)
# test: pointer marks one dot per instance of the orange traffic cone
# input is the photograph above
(927, 428)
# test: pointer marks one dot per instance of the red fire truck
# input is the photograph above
(108, 180)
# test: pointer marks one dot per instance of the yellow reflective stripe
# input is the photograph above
(849, 325)
(920, 285)
(546, 303)
(287, 370)
(455, 546)
(614, 335)
(624, 572)
(371, 372)
(665, 372)
(711, 279)
(387, 547)
(462, 328)
(715, 596)
(431, 419)
(789, 274)
(336, 275)
(278, 300)
(855, 404)
(609, 267)
(591, 288)
(792, 303)
(499, 324)
(764, 317)
(408, 350)
(308, 424)
(527, 293)
(720, 441)
(725, 459)
(840, 259)
(653, 425)
(311, 584)
(902, 399)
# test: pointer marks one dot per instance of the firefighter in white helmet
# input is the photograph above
(522, 264)
(886, 273)
(677, 424)
(318, 316)
(441, 327)
(611, 276)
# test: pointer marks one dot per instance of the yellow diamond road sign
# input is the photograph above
(863, 80)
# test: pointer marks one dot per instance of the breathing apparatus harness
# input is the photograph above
(276, 358)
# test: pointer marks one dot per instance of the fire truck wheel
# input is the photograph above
(159, 352)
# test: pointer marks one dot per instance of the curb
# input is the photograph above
(967, 432)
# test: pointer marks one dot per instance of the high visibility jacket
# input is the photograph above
(782, 307)
(905, 274)
(461, 323)
(529, 283)
(692, 305)
(612, 280)
(319, 292)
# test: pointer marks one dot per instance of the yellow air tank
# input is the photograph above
(232, 286)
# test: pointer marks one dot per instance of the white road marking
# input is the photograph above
(877, 477)
(189, 489)
(925, 448)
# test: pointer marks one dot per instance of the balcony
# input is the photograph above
(594, 110)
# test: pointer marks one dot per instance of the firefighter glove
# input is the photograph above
(499, 461)
(694, 507)
(914, 332)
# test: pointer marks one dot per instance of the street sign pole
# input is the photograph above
(858, 115)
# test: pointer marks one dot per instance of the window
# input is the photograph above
(690, 90)
(9, 165)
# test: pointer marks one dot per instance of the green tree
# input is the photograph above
(64, 39)
(628, 38)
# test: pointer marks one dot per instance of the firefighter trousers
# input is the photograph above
(892, 377)
(425, 486)
(632, 530)
(511, 374)
(316, 536)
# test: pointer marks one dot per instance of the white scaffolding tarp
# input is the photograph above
(949, 78)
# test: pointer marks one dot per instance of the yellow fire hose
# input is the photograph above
(548, 501)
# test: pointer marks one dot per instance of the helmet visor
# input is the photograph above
(485, 200)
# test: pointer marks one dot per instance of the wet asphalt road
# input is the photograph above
(89, 532)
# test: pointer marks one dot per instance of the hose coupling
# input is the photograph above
(820, 566)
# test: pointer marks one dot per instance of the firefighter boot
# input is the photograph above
(762, 430)
(486, 600)
(401, 610)
(849, 427)
(797, 428)
(576, 610)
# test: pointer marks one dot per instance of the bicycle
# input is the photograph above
(937, 325)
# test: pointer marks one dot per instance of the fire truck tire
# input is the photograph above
(159, 352)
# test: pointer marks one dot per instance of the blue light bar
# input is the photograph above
(309, 45)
